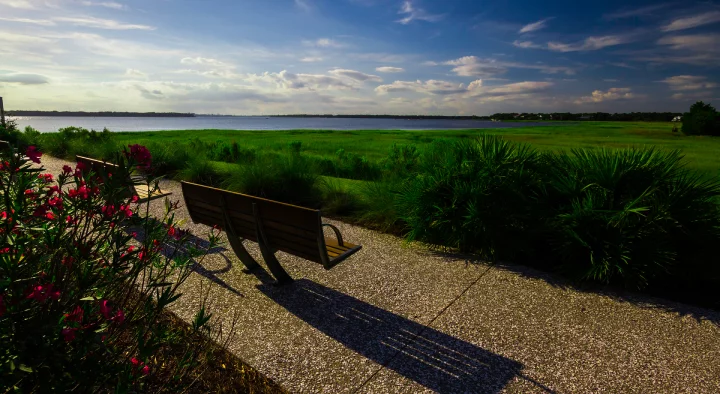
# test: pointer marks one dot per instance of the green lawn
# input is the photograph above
(702, 153)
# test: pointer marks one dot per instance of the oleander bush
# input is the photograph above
(83, 299)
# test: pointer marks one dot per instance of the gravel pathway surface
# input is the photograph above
(397, 318)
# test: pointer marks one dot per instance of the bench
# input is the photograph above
(273, 225)
(136, 188)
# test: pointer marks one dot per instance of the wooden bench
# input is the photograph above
(136, 187)
(275, 226)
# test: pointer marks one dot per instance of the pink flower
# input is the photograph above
(33, 154)
(108, 210)
(135, 362)
(119, 317)
(55, 202)
(48, 178)
(68, 334)
(135, 199)
(41, 293)
(53, 189)
(3, 215)
(126, 210)
(105, 310)
(67, 169)
(145, 370)
(76, 315)
(141, 155)
(50, 216)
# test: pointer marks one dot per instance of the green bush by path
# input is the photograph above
(702, 119)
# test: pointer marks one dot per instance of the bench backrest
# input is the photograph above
(289, 228)
(96, 166)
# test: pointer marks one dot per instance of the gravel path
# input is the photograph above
(396, 318)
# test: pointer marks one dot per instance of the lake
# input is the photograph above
(53, 123)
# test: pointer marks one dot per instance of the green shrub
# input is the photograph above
(170, 158)
(402, 160)
(474, 195)
(202, 171)
(702, 119)
(379, 201)
(629, 216)
(337, 200)
(290, 179)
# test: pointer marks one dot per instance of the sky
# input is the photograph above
(449, 57)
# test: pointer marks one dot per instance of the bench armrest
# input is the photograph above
(337, 233)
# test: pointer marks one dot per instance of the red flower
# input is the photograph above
(76, 315)
(67, 169)
(41, 293)
(69, 220)
(145, 370)
(135, 199)
(68, 261)
(69, 334)
(80, 166)
(105, 310)
(135, 362)
(141, 155)
(108, 210)
(48, 178)
(3, 215)
(53, 190)
(33, 154)
(119, 317)
(50, 216)
(55, 202)
(126, 210)
(5, 250)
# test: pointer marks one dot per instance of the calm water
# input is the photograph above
(50, 123)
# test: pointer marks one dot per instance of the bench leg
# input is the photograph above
(242, 253)
(273, 264)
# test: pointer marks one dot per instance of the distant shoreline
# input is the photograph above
(104, 114)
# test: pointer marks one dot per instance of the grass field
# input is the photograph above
(701, 152)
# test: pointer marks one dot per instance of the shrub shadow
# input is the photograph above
(427, 356)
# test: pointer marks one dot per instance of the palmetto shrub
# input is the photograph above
(474, 195)
(82, 300)
(630, 216)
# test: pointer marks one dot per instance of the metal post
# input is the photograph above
(2, 113)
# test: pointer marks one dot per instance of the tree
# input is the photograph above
(702, 119)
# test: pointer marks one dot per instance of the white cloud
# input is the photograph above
(292, 81)
(205, 62)
(412, 13)
(535, 26)
(430, 87)
(589, 44)
(473, 66)
(688, 82)
(23, 4)
(692, 21)
(461, 91)
(302, 4)
(612, 94)
(355, 75)
(635, 12)
(106, 4)
(39, 22)
(526, 44)
(98, 23)
(324, 43)
(387, 69)
(697, 42)
(133, 73)
(311, 59)
(23, 79)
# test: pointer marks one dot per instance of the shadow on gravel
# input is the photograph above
(427, 356)
(169, 250)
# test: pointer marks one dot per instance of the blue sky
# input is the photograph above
(358, 56)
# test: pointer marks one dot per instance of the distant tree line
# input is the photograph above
(102, 114)
(471, 117)
(594, 116)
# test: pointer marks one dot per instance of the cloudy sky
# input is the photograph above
(358, 56)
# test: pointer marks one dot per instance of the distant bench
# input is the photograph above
(273, 225)
(135, 188)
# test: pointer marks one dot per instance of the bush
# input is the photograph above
(477, 196)
(170, 158)
(290, 179)
(402, 161)
(702, 119)
(628, 216)
(82, 302)
(337, 200)
(202, 171)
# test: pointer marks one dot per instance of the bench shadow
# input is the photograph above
(170, 250)
(427, 356)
